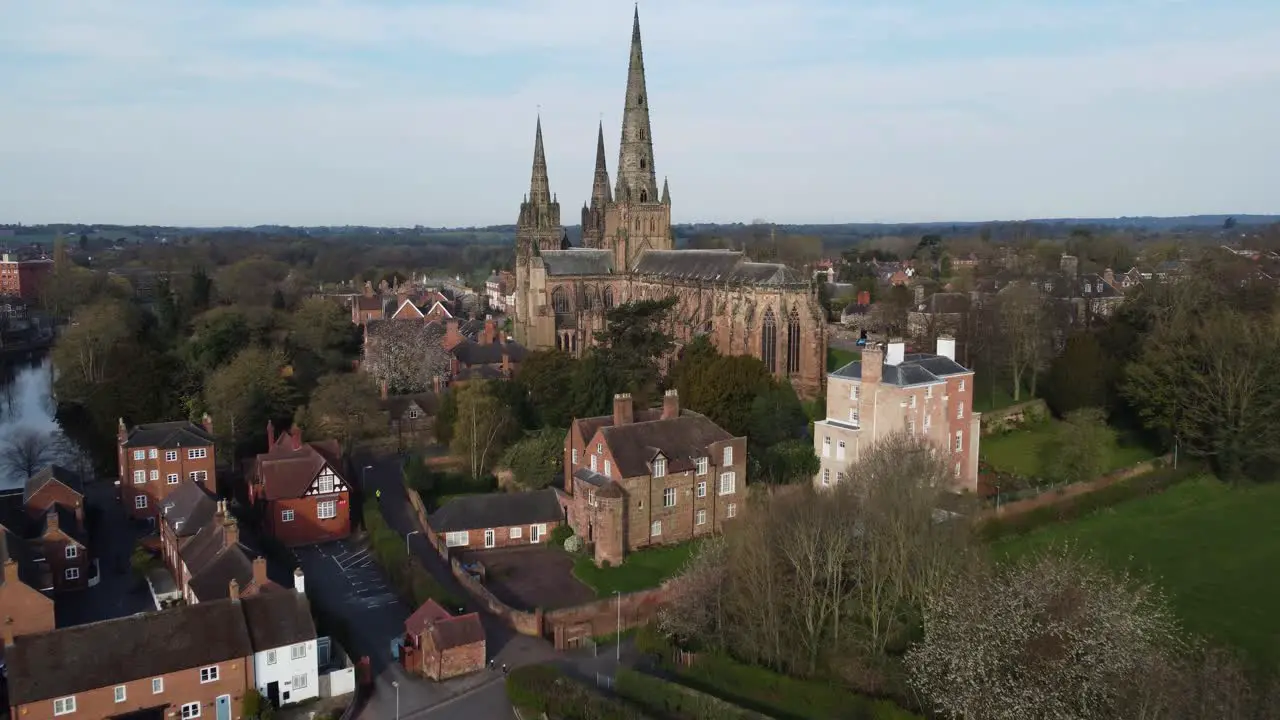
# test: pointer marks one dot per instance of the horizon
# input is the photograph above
(307, 115)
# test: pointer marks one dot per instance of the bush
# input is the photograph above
(573, 544)
(544, 689)
(560, 534)
(671, 700)
(410, 580)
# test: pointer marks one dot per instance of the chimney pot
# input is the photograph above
(233, 591)
(670, 404)
(623, 409)
(895, 352)
(299, 581)
(260, 571)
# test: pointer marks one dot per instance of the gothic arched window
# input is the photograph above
(608, 298)
(560, 300)
(769, 341)
(793, 343)
(644, 194)
(643, 165)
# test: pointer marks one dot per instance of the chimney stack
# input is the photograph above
(506, 363)
(122, 432)
(207, 423)
(260, 572)
(671, 404)
(8, 632)
(895, 352)
(451, 335)
(864, 297)
(623, 409)
(10, 572)
(1109, 277)
(382, 390)
(490, 331)
(51, 518)
(947, 347)
(230, 532)
(872, 363)
(296, 433)
(271, 436)
(233, 590)
(299, 581)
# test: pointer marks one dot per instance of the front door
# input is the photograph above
(489, 538)
(223, 707)
(273, 693)
(535, 533)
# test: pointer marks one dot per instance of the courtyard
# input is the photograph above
(531, 577)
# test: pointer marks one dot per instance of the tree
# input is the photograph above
(1024, 319)
(1080, 376)
(244, 394)
(252, 281)
(407, 356)
(537, 460)
(543, 375)
(28, 451)
(1077, 450)
(321, 337)
(217, 335)
(481, 423)
(633, 341)
(788, 462)
(344, 406)
(1049, 636)
(724, 388)
(87, 352)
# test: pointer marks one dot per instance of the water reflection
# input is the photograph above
(26, 405)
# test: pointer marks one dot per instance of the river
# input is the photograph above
(26, 405)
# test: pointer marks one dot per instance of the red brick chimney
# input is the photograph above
(122, 432)
(506, 362)
(296, 434)
(260, 572)
(623, 409)
(864, 297)
(670, 404)
(207, 423)
(451, 335)
(872, 363)
(8, 632)
(271, 436)
(233, 590)
(490, 333)
(51, 518)
(10, 572)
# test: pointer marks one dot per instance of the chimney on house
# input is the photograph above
(506, 362)
(895, 351)
(623, 409)
(670, 404)
(8, 632)
(233, 591)
(230, 532)
(490, 331)
(271, 436)
(295, 433)
(122, 432)
(947, 347)
(864, 297)
(260, 572)
(368, 289)
(207, 423)
(51, 518)
(872, 363)
(10, 572)
(382, 390)
(451, 335)
(1109, 277)
(299, 581)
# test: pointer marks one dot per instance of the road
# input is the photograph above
(119, 593)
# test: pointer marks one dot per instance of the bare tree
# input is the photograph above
(482, 422)
(406, 355)
(696, 608)
(27, 451)
(1025, 322)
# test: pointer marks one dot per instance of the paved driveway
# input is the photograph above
(531, 576)
(119, 592)
(347, 582)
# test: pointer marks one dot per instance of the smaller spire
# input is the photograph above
(666, 192)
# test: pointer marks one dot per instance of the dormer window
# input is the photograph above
(659, 467)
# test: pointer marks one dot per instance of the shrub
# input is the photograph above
(672, 700)
(544, 689)
(560, 534)
(573, 544)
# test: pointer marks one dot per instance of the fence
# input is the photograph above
(1064, 493)
(1008, 418)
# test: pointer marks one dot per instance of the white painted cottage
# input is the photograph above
(285, 657)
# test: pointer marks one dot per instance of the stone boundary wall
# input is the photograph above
(1014, 416)
(1063, 493)
(565, 626)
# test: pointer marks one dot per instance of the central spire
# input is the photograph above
(600, 195)
(539, 185)
(637, 180)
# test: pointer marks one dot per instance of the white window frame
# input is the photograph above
(190, 710)
(157, 685)
(326, 509)
(412, 413)
(121, 693)
(271, 657)
(299, 682)
(960, 411)
(700, 518)
(599, 448)
(171, 479)
(728, 480)
(826, 477)
(139, 477)
(702, 464)
(155, 474)
(669, 497)
(139, 502)
(853, 417)
(199, 476)
(701, 489)
(840, 450)
(325, 483)
(197, 453)
(208, 674)
(461, 538)
(152, 453)
(515, 533)
(71, 552)
(927, 424)
(959, 440)
(911, 426)
(655, 529)
(728, 455)
(298, 652)
(591, 498)
(574, 456)
(913, 401)
(171, 455)
(659, 467)
(826, 446)
(594, 464)
(64, 705)
(139, 454)
(286, 515)
(731, 510)
(537, 532)
(928, 393)
(608, 468)
(961, 388)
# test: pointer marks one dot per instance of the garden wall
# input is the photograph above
(1014, 416)
(1064, 493)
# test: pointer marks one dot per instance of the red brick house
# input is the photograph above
(300, 490)
(23, 608)
(56, 530)
(366, 306)
(23, 278)
(440, 646)
(489, 356)
(653, 477)
(194, 661)
(155, 457)
(496, 520)
(200, 545)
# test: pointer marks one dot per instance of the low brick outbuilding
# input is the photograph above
(439, 646)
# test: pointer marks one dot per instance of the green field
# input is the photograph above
(1021, 451)
(1209, 546)
(641, 570)
(838, 358)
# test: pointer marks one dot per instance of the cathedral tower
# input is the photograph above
(638, 218)
(538, 229)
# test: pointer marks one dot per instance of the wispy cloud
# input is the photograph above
(399, 112)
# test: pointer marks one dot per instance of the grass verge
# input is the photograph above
(641, 570)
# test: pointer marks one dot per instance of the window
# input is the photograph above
(199, 476)
(209, 674)
(139, 501)
(656, 528)
(139, 454)
(516, 533)
(413, 413)
(72, 552)
(853, 392)
(326, 509)
(155, 474)
(152, 453)
(839, 477)
(594, 466)
(299, 681)
(121, 693)
(913, 401)
(926, 424)
(959, 440)
(64, 706)
(957, 469)
(286, 516)
(299, 651)
(853, 416)
(826, 447)
(608, 469)
(840, 450)
(669, 497)
(171, 478)
(826, 476)
(960, 412)
(536, 532)
(599, 448)
(324, 484)
(271, 657)
(457, 539)
(701, 517)
(1088, 288)
(928, 393)
(702, 465)
(574, 459)
(190, 710)
(139, 477)
(171, 455)
(157, 686)
(911, 426)
(728, 482)
(731, 510)
(769, 342)
(591, 498)
(702, 489)
(961, 385)
(197, 453)
(660, 467)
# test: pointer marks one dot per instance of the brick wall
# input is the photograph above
(306, 528)
(503, 537)
(1061, 494)
(461, 661)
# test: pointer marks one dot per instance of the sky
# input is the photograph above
(418, 112)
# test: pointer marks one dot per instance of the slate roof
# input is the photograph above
(277, 619)
(189, 508)
(447, 631)
(496, 510)
(77, 659)
(168, 435)
(287, 473)
(213, 563)
(721, 266)
(915, 369)
(608, 488)
(470, 352)
(51, 473)
(589, 426)
(578, 261)
(681, 440)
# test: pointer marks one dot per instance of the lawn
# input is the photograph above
(838, 358)
(640, 570)
(1021, 451)
(1211, 547)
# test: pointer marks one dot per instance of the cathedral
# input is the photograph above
(766, 310)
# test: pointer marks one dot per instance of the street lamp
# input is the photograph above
(618, 657)
(396, 685)
(408, 535)
(364, 477)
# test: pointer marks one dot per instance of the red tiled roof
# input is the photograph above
(287, 473)
(447, 631)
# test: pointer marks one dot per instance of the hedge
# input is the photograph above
(1078, 506)
(545, 689)
(677, 702)
(406, 575)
